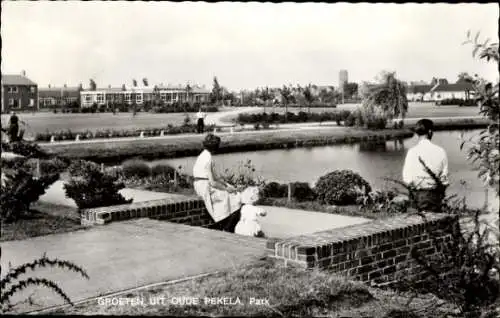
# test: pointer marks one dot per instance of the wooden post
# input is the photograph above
(102, 167)
(52, 139)
(289, 192)
(175, 178)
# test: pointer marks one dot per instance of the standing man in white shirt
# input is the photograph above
(200, 116)
(428, 195)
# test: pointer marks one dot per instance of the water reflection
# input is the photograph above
(375, 161)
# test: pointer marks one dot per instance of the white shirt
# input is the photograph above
(200, 115)
(435, 159)
(203, 166)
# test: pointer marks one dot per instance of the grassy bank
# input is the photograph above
(287, 292)
(191, 145)
(44, 219)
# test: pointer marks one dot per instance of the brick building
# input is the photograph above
(19, 93)
(57, 96)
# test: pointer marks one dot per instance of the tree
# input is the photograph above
(308, 96)
(464, 77)
(145, 82)
(389, 96)
(350, 90)
(216, 94)
(189, 89)
(286, 97)
(93, 85)
(266, 96)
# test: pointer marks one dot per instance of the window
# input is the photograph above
(163, 96)
(32, 102)
(33, 89)
(12, 89)
(11, 101)
(138, 98)
(100, 98)
(128, 97)
(88, 98)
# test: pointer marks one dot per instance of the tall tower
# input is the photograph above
(343, 78)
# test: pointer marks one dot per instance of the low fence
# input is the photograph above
(376, 252)
(189, 211)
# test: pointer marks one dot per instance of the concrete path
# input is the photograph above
(283, 222)
(129, 254)
(55, 195)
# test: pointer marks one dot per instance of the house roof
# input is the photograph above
(456, 87)
(415, 89)
(15, 79)
(58, 91)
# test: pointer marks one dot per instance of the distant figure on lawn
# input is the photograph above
(222, 200)
(429, 194)
(200, 116)
(13, 130)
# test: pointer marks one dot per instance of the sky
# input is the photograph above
(246, 45)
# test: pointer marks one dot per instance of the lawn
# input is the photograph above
(44, 219)
(41, 122)
(181, 146)
(282, 292)
(415, 110)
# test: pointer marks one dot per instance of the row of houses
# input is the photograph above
(440, 91)
(22, 94)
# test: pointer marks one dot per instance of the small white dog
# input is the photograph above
(249, 224)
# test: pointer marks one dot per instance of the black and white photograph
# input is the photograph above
(250, 159)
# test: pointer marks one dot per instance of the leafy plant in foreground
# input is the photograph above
(11, 283)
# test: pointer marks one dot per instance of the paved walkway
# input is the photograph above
(134, 253)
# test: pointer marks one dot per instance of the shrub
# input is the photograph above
(242, 176)
(163, 170)
(48, 166)
(25, 148)
(274, 190)
(91, 188)
(136, 168)
(341, 187)
(20, 189)
(301, 191)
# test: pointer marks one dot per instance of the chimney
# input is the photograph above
(65, 86)
(49, 85)
(23, 73)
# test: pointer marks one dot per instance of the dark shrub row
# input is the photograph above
(457, 101)
(300, 117)
(340, 187)
(111, 133)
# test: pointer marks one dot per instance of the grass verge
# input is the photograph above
(44, 219)
(288, 292)
(182, 146)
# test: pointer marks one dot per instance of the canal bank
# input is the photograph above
(115, 151)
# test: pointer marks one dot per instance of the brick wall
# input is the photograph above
(190, 211)
(377, 252)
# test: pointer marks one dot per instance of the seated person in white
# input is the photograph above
(249, 223)
(222, 201)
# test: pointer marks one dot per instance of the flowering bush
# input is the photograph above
(242, 176)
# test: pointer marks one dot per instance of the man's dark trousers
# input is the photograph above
(201, 126)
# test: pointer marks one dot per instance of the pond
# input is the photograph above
(374, 162)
